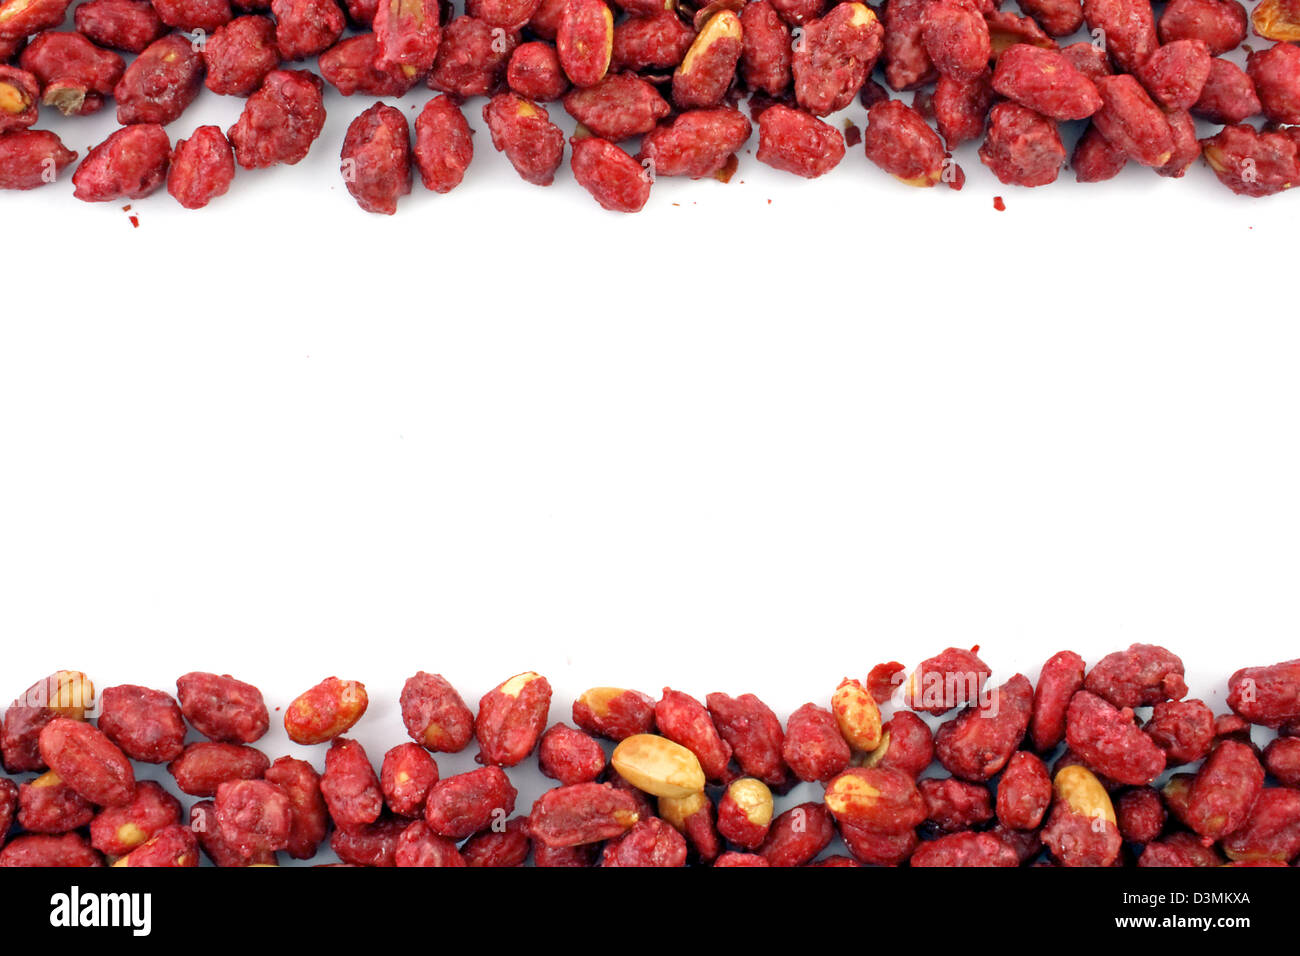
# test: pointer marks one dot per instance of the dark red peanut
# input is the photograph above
(173, 846)
(680, 717)
(1282, 758)
(1219, 24)
(117, 831)
(545, 21)
(649, 843)
(766, 52)
(745, 722)
(584, 40)
(965, 849)
(67, 850)
(960, 110)
(614, 179)
(1140, 815)
(75, 75)
(581, 813)
(879, 849)
(1006, 29)
(240, 55)
(499, 848)
(956, 38)
(795, 12)
(740, 859)
(1176, 73)
(160, 83)
(1183, 729)
(707, 70)
(255, 816)
(146, 724)
(22, 18)
(48, 805)
(279, 123)
(194, 15)
(952, 805)
(443, 150)
(1271, 833)
(28, 159)
(512, 717)
(202, 168)
(129, 25)
(308, 811)
(304, 28)
(619, 107)
(1058, 18)
(202, 767)
(907, 65)
(899, 141)
(977, 743)
(1131, 122)
(1276, 75)
(222, 708)
(1045, 81)
(1024, 792)
(1144, 674)
(434, 713)
(1061, 676)
(585, 854)
(813, 747)
(349, 785)
(798, 835)
(1262, 695)
(472, 58)
(1228, 96)
(953, 678)
(374, 844)
(1081, 829)
(906, 744)
(466, 803)
(420, 846)
(408, 35)
(1224, 790)
(570, 756)
(376, 167)
(89, 762)
(349, 67)
(534, 72)
(406, 776)
(524, 132)
(204, 826)
(1107, 740)
(834, 57)
(798, 142)
(615, 713)
(1129, 29)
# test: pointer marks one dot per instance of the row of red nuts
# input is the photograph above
(687, 779)
(1139, 88)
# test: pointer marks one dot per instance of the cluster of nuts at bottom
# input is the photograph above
(669, 72)
(1062, 774)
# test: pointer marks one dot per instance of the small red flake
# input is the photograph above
(852, 135)
(998, 204)
(126, 208)
(135, 222)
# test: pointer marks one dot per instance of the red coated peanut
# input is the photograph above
(1276, 74)
(116, 831)
(524, 132)
(952, 805)
(408, 34)
(472, 57)
(512, 717)
(48, 805)
(1272, 831)
(279, 122)
(1228, 96)
(194, 15)
(813, 747)
(619, 107)
(798, 835)
(584, 40)
(222, 708)
(374, 844)
(798, 142)
(1140, 815)
(240, 55)
(581, 813)
(202, 767)
(1060, 677)
(160, 83)
(1095, 159)
(173, 846)
(746, 723)
(951, 679)
(66, 850)
(462, 805)
(907, 65)
(766, 53)
(376, 167)
(1109, 742)
(420, 846)
(1022, 148)
(131, 164)
(255, 816)
(534, 72)
(965, 849)
(1282, 758)
(406, 776)
(129, 25)
(649, 843)
(1058, 18)
(706, 72)
(899, 141)
(693, 817)
(745, 812)
(834, 57)
(1024, 792)
(1128, 29)
(570, 756)
(22, 18)
(349, 785)
(1081, 829)
(876, 799)
(443, 150)
(434, 713)
(28, 159)
(146, 724)
(204, 826)
(680, 717)
(906, 744)
(1269, 696)
(1224, 790)
(1183, 729)
(89, 762)
(499, 848)
(74, 74)
(1144, 674)
(977, 743)
(960, 110)
(202, 168)
(349, 67)
(309, 815)
(304, 28)
(1046, 82)
(956, 38)
(1219, 24)
(615, 713)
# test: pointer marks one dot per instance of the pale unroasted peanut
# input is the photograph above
(658, 766)
(1079, 788)
(857, 714)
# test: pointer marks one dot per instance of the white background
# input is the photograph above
(728, 444)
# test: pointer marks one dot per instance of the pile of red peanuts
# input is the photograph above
(1104, 766)
(669, 74)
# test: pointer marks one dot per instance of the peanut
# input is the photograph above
(857, 714)
(658, 766)
(1083, 793)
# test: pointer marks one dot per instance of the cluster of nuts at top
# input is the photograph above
(1062, 774)
(666, 72)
